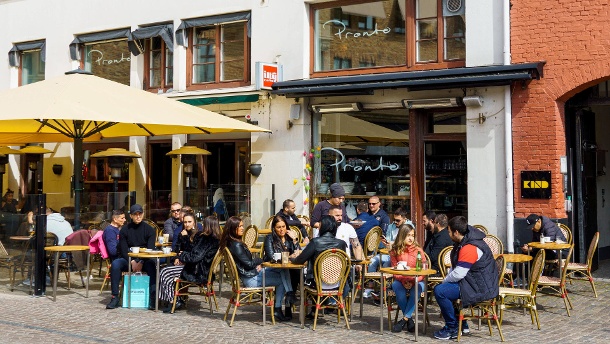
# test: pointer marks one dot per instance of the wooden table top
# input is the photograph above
(549, 245)
(283, 266)
(384, 251)
(264, 231)
(410, 272)
(515, 257)
(67, 248)
(152, 255)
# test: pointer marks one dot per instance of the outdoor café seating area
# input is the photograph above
(527, 285)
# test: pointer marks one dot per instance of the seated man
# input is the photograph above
(58, 225)
(287, 213)
(170, 225)
(364, 221)
(473, 276)
(135, 234)
(111, 234)
(347, 233)
(542, 226)
(185, 210)
(439, 239)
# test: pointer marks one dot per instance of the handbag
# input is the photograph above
(139, 290)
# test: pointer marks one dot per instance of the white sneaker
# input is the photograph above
(367, 293)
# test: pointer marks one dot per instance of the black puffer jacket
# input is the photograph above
(246, 264)
(481, 281)
(270, 249)
(198, 260)
(317, 246)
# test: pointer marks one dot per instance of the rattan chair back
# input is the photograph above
(481, 228)
(566, 232)
(500, 265)
(250, 236)
(152, 223)
(268, 222)
(295, 234)
(592, 250)
(537, 267)
(494, 243)
(444, 260)
(331, 267)
(371, 241)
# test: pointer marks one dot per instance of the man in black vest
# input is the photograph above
(473, 277)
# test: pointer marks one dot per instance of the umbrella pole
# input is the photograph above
(78, 173)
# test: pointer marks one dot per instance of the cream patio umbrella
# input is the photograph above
(81, 106)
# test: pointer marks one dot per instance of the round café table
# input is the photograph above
(67, 248)
(143, 255)
(551, 246)
(415, 274)
(301, 287)
(518, 258)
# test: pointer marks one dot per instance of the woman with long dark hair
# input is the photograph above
(405, 249)
(278, 242)
(249, 268)
(196, 250)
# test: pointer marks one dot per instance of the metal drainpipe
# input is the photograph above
(508, 136)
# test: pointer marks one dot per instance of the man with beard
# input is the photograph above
(439, 239)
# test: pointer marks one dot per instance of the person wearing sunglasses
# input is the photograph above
(170, 225)
(379, 214)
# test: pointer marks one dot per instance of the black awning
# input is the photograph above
(413, 81)
(13, 54)
(165, 31)
(95, 37)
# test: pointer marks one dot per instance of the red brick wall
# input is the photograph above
(573, 37)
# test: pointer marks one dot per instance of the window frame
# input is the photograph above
(218, 61)
(410, 43)
(40, 60)
(163, 69)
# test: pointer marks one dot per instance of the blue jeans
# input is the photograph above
(406, 305)
(374, 264)
(120, 265)
(445, 293)
(273, 277)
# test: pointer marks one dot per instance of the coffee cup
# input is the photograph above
(402, 265)
(542, 241)
(277, 256)
(135, 249)
(167, 250)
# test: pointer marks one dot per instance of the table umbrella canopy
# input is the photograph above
(105, 107)
(80, 106)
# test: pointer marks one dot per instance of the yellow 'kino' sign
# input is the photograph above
(535, 184)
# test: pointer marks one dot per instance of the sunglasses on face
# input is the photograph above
(175, 210)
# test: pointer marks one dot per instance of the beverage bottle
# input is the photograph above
(418, 263)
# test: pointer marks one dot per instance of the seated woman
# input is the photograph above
(249, 268)
(325, 241)
(277, 242)
(196, 250)
(405, 249)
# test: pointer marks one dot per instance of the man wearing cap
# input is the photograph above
(337, 197)
(135, 234)
(543, 226)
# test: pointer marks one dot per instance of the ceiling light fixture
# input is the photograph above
(430, 103)
(342, 107)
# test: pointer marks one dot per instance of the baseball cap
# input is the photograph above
(136, 208)
(531, 220)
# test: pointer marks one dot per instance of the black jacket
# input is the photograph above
(481, 281)
(317, 246)
(246, 264)
(438, 241)
(198, 260)
(289, 246)
(293, 221)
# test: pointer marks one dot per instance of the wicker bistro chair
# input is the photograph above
(566, 232)
(250, 237)
(268, 222)
(584, 270)
(484, 310)
(444, 260)
(7, 261)
(245, 296)
(481, 228)
(295, 234)
(158, 230)
(330, 268)
(183, 288)
(371, 244)
(106, 280)
(525, 298)
(556, 286)
(497, 248)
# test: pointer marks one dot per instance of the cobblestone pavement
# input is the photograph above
(73, 318)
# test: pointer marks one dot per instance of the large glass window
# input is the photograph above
(32, 67)
(219, 54)
(109, 60)
(397, 34)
